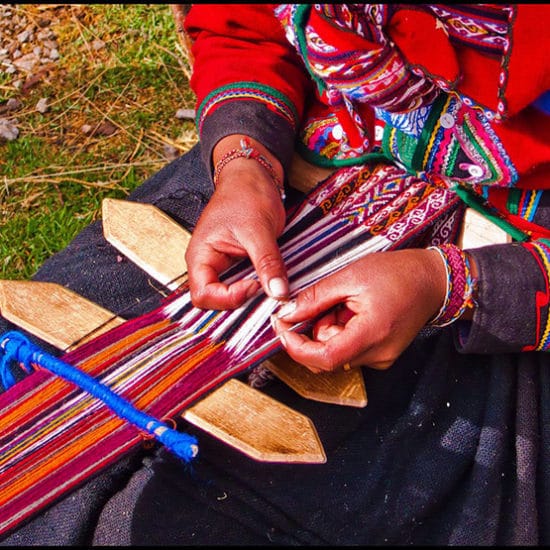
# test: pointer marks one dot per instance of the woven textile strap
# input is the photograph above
(54, 436)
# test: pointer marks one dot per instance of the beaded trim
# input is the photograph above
(248, 152)
(461, 286)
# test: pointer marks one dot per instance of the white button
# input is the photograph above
(378, 133)
(447, 121)
(337, 132)
(475, 171)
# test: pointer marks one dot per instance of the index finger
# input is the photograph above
(207, 292)
(341, 347)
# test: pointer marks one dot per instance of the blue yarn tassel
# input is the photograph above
(17, 347)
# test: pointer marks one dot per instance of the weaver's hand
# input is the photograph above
(243, 218)
(374, 309)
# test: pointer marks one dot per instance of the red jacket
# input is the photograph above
(242, 56)
(449, 92)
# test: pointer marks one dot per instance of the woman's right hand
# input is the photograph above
(243, 218)
(367, 313)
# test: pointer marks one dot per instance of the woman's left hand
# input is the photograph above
(369, 311)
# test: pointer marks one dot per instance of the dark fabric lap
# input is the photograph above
(451, 448)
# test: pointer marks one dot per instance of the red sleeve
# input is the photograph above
(243, 42)
(246, 75)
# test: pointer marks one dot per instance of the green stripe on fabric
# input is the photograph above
(300, 18)
(512, 202)
(319, 160)
(433, 118)
(253, 86)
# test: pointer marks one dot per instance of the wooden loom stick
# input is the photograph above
(240, 424)
(159, 254)
(339, 387)
(73, 318)
(148, 237)
(55, 314)
(478, 231)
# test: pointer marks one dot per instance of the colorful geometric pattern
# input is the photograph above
(540, 251)
(354, 63)
(459, 145)
(524, 202)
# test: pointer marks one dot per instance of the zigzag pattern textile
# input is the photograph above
(54, 436)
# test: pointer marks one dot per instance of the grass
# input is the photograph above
(54, 176)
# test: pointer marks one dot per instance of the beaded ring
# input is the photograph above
(247, 151)
(461, 285)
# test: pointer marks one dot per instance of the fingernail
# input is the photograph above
(286, 309)
(282, 337)
(277, 287)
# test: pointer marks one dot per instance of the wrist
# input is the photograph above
(238, 148)
(461, 286)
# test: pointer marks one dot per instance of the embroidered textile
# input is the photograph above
(351, 55)
(248, 91)
(541, 252)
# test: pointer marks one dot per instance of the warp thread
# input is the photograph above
(18, 348)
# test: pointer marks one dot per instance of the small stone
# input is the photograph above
(8, 131)
(54, 54)
(24, 36)
(13, 104)
(43, 105)
(185, 114)
(170, 152)
(43, 22)
(98, 44)
(43, 34)
(105, 128)
(27, 62)
(49, 44)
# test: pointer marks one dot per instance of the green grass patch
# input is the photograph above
(54, 176)
(40, 234)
